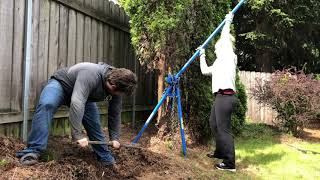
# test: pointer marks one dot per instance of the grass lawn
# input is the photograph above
(265, 153)
(269, 155)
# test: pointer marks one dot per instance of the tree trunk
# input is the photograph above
(263, 61)
(161, 66)
(263, 57)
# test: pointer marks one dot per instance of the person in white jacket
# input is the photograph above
(223, 72)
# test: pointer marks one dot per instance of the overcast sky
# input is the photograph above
(115, 1)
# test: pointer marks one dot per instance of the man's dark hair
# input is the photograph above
(124, 79)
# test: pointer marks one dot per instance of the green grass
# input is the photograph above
(261, 152)
(203, 169)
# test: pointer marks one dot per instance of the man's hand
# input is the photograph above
(116, 144)
(83, 142)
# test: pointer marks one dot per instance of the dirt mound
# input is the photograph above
(65, 160)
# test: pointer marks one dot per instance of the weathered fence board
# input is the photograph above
(72, 41)
(111, 45)
(17, 61)
(94, 35)
(94, 42)
(43, 42)
(106, 44)
(63, 36)
(106, 36)
(87, 39)
(112, 36)
(6, 36)
(53, 38)
(80, 40)
(100, 42)
(256, 112)
(34, 55)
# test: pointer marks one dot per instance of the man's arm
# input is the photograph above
(85, 82)
(114, 117)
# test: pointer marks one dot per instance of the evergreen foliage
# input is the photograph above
(175, 29)
(275, 34)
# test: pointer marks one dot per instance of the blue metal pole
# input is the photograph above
(215, 32)
(183, 140)
(164, 96)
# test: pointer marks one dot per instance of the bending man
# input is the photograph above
(80, 87)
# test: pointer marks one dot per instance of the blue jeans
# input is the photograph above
(51, 98)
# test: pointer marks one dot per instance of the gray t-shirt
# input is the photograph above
(85, 82)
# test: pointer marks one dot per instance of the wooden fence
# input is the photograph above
(256, 112)
(64, 32)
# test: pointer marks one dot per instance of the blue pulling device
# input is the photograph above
(173, 90)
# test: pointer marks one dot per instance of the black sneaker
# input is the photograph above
(214, 155)
(224, 167)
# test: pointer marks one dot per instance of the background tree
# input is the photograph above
(274, 34)
(154, 33)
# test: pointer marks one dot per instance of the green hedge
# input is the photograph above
(239, 115)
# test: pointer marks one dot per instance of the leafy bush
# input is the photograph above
(239, 115)
(294, 95)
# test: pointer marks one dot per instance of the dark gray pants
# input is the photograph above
(220, 123)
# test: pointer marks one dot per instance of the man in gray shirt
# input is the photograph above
(80, 87)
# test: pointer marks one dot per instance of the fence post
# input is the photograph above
(27, 70)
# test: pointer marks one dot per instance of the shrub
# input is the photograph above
(239, 115)
(294, 95)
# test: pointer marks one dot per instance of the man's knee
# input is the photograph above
(48, 106)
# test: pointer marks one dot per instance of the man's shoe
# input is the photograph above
(214, 155)
(109, 161)
(29, 159)
(224, 167)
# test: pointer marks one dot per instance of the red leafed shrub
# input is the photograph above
(294, 95)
